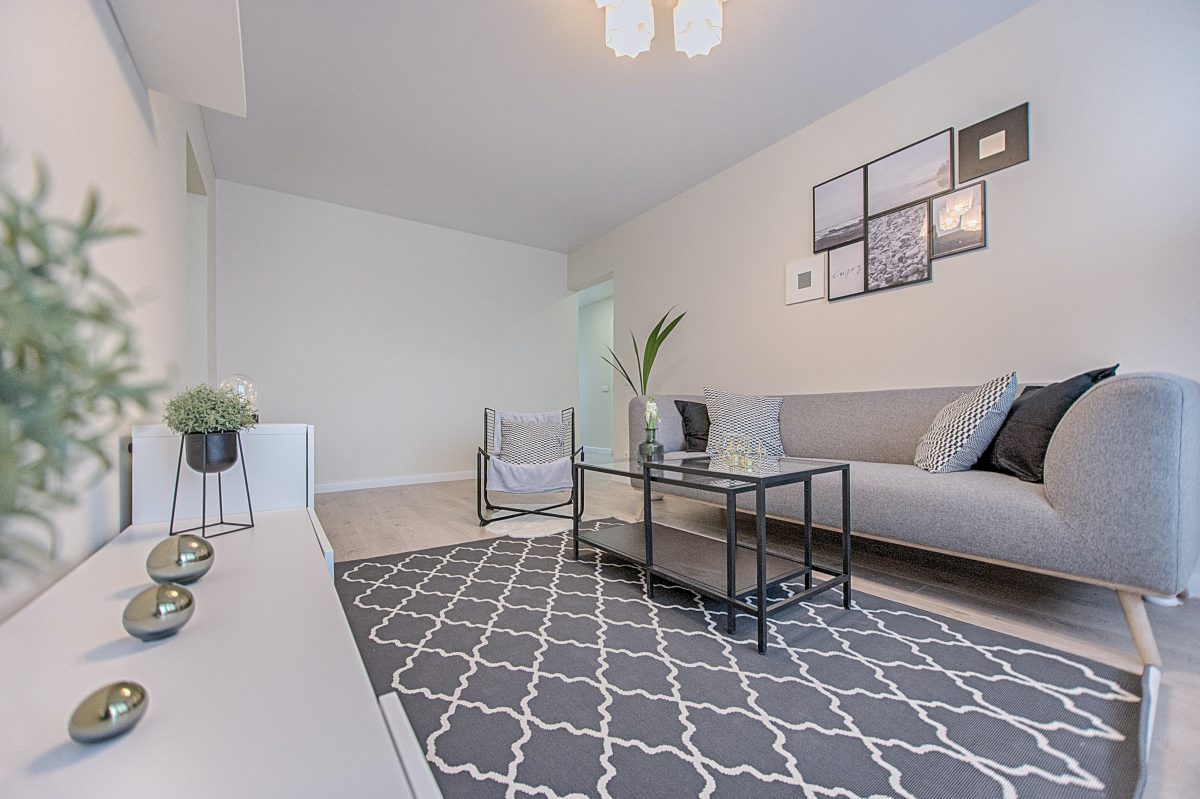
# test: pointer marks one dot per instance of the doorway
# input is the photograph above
(595, 376)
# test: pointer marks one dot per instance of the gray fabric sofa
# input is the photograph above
(1120, 505)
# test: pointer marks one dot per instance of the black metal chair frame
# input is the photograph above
(485, 454)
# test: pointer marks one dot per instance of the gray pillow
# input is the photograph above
(963, 429)
(747, 415)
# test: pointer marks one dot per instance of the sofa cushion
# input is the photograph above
(695, 424)
(963, 429)
(976, 513)
(1020, 446)
(741, 414)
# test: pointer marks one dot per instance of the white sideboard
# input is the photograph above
(261, 694)
(279, 468)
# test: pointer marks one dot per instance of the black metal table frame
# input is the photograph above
(743, 483)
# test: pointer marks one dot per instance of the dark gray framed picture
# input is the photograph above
(915, 172)
(898, 247)
(958, 220)
(846, 267)
(994, 144)
(839, 208)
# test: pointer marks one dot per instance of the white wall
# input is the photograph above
(390, 336)
(1093, 243)
(595, 376)
(70, 96)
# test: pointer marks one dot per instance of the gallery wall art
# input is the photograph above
(915, 172)
(804, 280)
(958, 221)
(994, 144)
(883, 224)
(839, 210)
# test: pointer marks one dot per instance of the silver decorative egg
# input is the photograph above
(180, 559)
(158, 611)
(108, 712)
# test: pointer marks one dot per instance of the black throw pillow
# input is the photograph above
(1019, 448)
(695, 424)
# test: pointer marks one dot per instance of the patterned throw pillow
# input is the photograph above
(530, 442)
(964, 428)
(735, 414)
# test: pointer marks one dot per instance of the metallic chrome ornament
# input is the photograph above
(107, 713)
(158, 611)
(180, 559)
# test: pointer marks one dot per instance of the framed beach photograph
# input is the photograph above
(847, 270)
(804, 280)
(898, 247)
(993, 144)
(958, 220)
(916, 172)
(839, 208)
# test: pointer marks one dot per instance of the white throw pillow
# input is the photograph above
(531, 442)
(963, 429)
(738, 414)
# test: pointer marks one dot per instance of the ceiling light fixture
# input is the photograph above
(628, 25)
(698, 26)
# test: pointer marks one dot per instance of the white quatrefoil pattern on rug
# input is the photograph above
(528, 674)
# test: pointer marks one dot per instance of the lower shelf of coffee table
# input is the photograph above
(690, 558)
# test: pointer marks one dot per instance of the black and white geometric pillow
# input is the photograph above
(963, 429)
(738, 414)
(530, 442)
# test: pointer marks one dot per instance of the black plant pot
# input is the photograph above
(210, 453)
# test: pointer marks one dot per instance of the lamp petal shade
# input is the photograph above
(698, 26)
(628, 26)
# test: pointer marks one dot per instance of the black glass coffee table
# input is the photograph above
(723, 570)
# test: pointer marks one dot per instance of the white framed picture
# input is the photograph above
(805, 280)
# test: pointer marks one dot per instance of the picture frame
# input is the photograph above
(995, 143)
(840, 210)
(958, 221)
(897, 248)
(846, 270)
(804, 280)
(913, 173)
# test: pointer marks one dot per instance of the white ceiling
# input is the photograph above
(191, 49)
(512, 120)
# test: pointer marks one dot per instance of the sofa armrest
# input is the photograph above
(1124, 467)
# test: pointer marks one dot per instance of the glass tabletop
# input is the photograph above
(705, 469)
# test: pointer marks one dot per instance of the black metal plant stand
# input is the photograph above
(203, 527)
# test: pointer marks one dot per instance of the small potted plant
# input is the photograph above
(209, 420)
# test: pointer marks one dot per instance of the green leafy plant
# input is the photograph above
(67, 366)
(204, 409)
(645, 357)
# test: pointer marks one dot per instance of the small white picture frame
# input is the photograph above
(804, 280)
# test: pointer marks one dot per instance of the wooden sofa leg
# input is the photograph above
(1139, 626)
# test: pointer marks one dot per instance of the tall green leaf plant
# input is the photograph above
(645, 357)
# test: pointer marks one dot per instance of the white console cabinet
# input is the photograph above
(279, 467)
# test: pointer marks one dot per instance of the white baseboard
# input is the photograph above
(399, 480)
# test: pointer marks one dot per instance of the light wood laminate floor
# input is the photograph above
(1074, 617)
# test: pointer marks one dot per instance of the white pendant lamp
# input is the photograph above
(628, 25)
(698, 26)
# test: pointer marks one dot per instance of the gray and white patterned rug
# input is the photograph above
(526, 673)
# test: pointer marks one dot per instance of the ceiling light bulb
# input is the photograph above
(698, 26)
(948, 221)
(628, 25)
(972, 221)
(960, 203)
